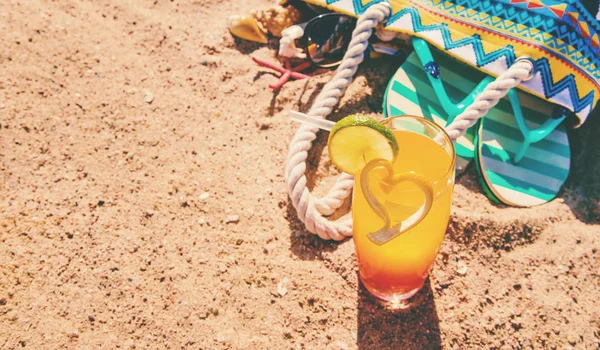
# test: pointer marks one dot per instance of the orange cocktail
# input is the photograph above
(400, 210)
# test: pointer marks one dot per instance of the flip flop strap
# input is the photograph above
(532, 136)
(432, 70)
(433, 74)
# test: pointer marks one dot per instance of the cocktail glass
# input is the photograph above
(400, 210)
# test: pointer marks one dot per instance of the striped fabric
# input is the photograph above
(409, 92)
(537, 178)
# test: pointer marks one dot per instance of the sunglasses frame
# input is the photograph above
(304, 41)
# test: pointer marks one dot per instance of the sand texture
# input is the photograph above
(143, 203)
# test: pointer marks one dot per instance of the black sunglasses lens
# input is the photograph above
(328, 39)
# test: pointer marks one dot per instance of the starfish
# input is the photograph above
(287, 72)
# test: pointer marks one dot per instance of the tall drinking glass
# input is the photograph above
(400, 210)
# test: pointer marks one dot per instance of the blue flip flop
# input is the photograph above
(523, 154)
(521, 147)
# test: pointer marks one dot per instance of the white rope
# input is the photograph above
(311, 209)
(521, 70)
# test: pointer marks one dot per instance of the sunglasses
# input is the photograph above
(327, 36)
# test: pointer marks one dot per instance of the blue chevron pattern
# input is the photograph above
(563, 30)
(577, 43)
(568, 82)
(551, 89)
(481, 57)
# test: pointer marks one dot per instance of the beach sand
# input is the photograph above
(143, 203)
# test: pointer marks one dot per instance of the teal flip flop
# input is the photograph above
(433, 85)
(523, 154)
(520, 147)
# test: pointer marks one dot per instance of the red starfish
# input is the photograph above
(286, 72)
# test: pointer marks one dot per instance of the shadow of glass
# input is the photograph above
(380, 328)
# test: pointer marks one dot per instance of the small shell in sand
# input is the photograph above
(248, 28)
(256, 25)
(277, 18)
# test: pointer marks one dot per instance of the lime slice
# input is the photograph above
(356, 140)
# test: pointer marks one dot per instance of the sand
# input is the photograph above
(143, 203)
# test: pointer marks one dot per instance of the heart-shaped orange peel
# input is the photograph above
(389, 232)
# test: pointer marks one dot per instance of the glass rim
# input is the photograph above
(438, 128)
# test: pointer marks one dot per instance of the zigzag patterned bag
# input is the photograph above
(562, 37)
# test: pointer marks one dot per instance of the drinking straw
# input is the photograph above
(320, 123)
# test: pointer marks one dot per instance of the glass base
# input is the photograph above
(396, 301)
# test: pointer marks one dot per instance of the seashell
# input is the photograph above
(287, 44)
(277, 18)
(247, 27)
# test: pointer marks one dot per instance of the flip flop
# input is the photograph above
(433, 85)
(428, 84)
(523, 154)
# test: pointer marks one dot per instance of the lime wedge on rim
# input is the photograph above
(356, 140)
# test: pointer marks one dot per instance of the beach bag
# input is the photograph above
(520, 71)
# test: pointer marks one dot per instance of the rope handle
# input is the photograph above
(312, 210)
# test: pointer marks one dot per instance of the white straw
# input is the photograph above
(314, 121)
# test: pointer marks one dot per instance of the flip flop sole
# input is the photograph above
(540, 175)
(410, 93)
